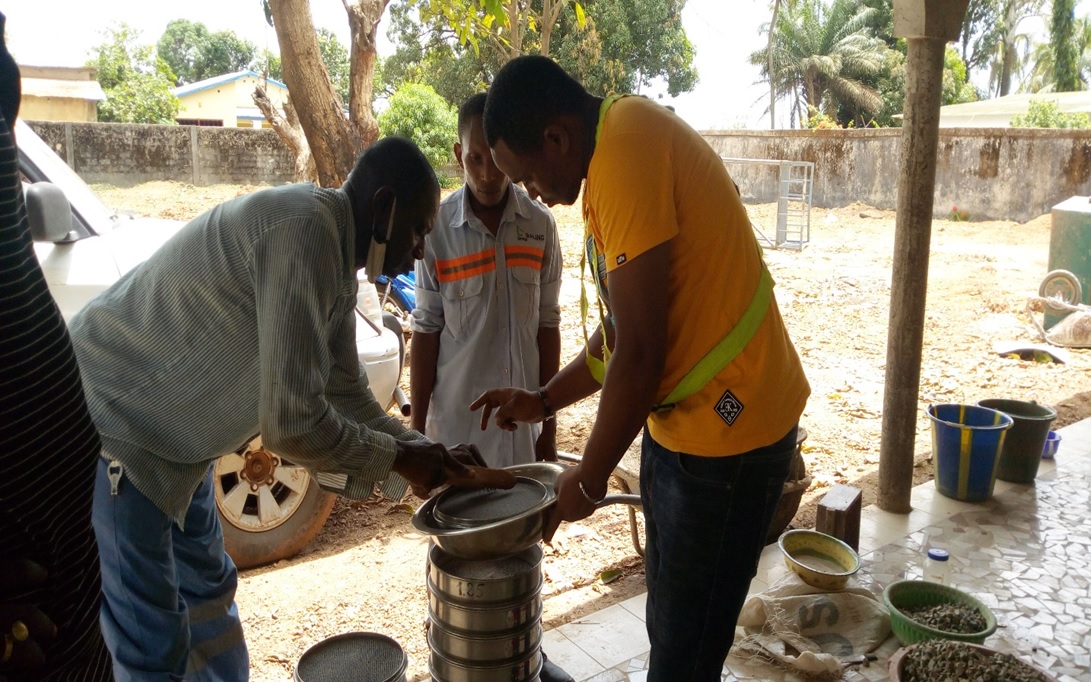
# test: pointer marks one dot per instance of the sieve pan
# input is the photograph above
(484, 647)
(484, 582)
(506, 536)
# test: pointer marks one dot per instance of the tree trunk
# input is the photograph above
(364, 17)
(1007, 66)
(769, 66)
(515, 25)
(290, 133)
(551, 11)
(329, 135)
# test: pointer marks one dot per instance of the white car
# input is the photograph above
(269, 508)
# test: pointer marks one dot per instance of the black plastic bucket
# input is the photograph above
(353, 657)
(1022, 451)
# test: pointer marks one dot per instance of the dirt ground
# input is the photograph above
(366, 570)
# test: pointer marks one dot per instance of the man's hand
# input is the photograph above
(22, 625)
(512, 405)
(428, 465)
(571, 504)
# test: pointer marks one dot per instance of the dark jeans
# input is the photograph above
(706, 521)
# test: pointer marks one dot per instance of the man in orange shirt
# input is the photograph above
(691, 346)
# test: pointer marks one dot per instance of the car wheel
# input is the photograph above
(269, 507)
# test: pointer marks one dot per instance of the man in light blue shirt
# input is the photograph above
(487, 305)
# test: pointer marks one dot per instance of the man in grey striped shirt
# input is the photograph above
(242, 323)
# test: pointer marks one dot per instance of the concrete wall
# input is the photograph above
(128, 154)
(1005, 173)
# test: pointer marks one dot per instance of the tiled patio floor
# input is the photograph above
(1026, 553)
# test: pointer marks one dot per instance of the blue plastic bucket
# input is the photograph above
(966, 445)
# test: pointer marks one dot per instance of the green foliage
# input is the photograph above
(194, 54)
(477, 22)
(1062, 40)
(891, 87)
(428, 55)
(615, 46)
(336, 58)
(1043, 113)
(136, 81)
(268, 64)
(956, 87)
(980, 33)
(624, 45)
(816, 120)
(416, 111)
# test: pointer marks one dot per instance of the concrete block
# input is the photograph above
(839, 514)
(929, 18)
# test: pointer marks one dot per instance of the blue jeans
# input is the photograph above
(168, 607)
(706, 520)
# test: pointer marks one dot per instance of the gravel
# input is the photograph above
(942, 660)
(957, 618)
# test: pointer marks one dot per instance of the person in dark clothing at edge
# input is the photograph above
(691, 347)
(49, 569)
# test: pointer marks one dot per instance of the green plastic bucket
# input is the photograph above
(966, 445)
(1022, 451)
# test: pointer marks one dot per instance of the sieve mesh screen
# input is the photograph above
(354, 657)
(468, 508)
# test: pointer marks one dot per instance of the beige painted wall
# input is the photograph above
(33, 108)
(221, 103)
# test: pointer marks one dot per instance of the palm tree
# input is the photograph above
(1040, 77)
(1012, 47)
(821, 57)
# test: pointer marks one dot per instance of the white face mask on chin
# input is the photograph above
(376, 253)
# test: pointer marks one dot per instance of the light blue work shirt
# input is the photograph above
(487, 296)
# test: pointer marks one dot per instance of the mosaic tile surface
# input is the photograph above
(1026, 553)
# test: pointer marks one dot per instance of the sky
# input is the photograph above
(723, 34)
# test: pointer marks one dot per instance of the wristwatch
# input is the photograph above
(545, 404)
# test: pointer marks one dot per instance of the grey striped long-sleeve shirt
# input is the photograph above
(242, 323)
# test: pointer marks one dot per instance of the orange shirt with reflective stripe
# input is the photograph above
(652, 178)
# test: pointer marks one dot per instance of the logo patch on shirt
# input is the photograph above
(621, 259)
(729, 407)
(526, 236)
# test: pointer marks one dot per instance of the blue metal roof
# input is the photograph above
(221, 80)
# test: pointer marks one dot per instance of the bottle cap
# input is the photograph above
(938, 554)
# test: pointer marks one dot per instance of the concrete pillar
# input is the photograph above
(195, 155)
(928, 25)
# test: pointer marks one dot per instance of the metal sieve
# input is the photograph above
(353, 657)
(510, 534)
(465, 508)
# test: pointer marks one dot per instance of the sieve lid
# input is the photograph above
(353, 657)
(470, 508)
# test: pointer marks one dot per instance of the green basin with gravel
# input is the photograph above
(922, 610)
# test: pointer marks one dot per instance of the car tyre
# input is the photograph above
(275, 521)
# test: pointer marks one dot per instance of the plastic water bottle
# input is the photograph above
(937, 567)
